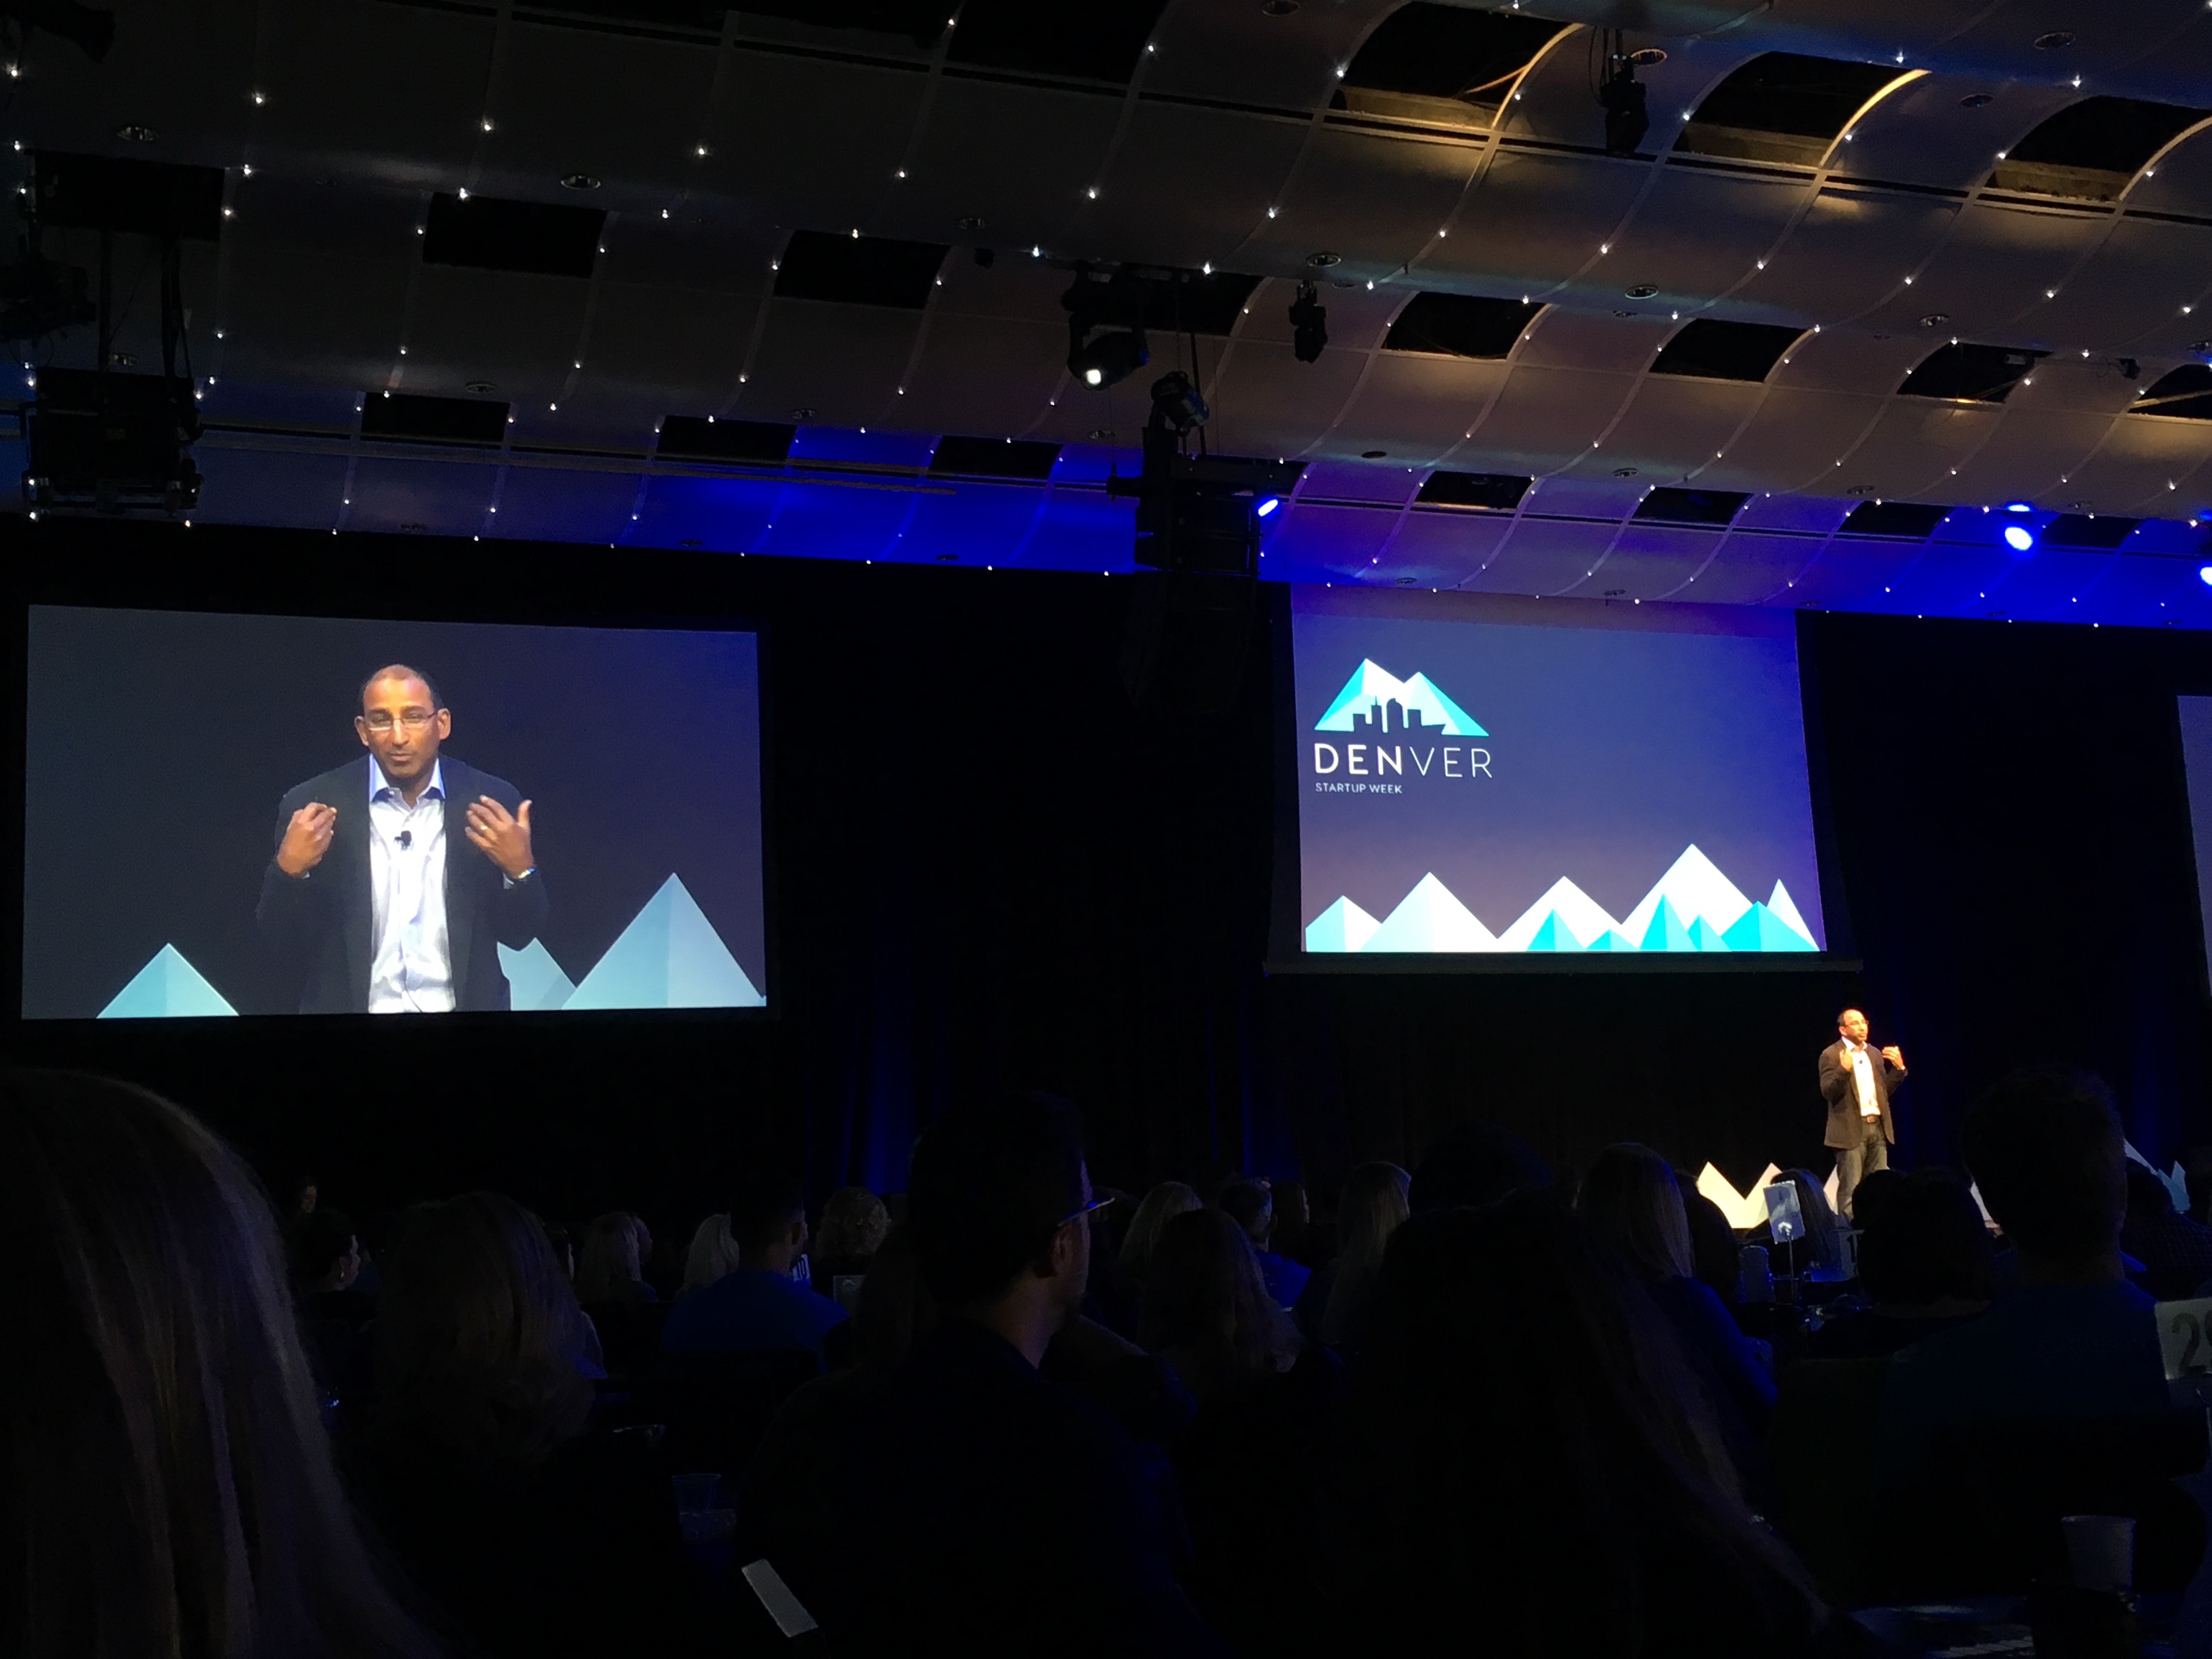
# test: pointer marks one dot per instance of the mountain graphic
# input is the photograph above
(1370, 687)
(669, 956)
(1693, 908)
(166, 987)
(535, 982)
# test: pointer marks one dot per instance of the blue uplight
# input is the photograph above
(2205, 574)
(2019, 506)
(1270, 505)
(2019, 537)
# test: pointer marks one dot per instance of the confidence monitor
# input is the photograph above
(269, 815)
(1498, 783)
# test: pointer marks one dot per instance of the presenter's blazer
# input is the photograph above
(1841, 1093)
(322, 925)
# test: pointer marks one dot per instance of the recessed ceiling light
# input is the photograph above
(1643, 291)
(1976, 101)
(2055, 40)
(1647, 57)
(579, 181)
(480, 387)
(1935, 319)
(1324, 259)
(802, 413)
(972, 221)
(1373, 454)
(134, 134)
(1624, 472)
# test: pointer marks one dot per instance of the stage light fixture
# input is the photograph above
(2019, 538)
(2205, 574)
(2019, 506)
(1109, 359)
(1268, 507)
(1308, 324)
(1177, 404)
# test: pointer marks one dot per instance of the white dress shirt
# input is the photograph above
(1862, 1070)
(411, 970)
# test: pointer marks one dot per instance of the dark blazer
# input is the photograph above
(322, 925)
(1838, 1088)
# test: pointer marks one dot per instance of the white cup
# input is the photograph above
(2102, 1550)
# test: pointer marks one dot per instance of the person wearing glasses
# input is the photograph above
(369, 900)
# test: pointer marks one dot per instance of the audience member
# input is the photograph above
(166, 1482)
(1925, 1260)
(533, 1536)
(2075, 1339)
(1002, 1513)
(1633, 1206)
(854, 1224)
(1252, 1207)
(1821, 1253)
(1886, 1181)
(326, 1255)
(1715, 1256)
(759, 1306)
(713, 1254)
(334, 1315)
(610, 1267)
(1161, 1206)
(1253, 1466)
(1294, 1228)
(2176, 1252)
(1477, 1163)
(1371, 1207)
(1534, 1462)
(1207, 1311)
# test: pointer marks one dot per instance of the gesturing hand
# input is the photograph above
(1894, 1057)
(306, 838)
(501, 836)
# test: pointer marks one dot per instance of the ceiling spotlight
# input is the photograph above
(2019, 538)
(579, 181)
(1976, 101)
(1642, 291)
(1935, 319)
(1308, 324)
(1323, 260)
(2019, 506)
(134, 134)
(1177, 404)
(2205, 574)
(1109, 359)
(2055, 40)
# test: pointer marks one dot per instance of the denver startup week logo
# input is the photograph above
(1376, 706)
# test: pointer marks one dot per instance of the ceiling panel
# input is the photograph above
(1536, 219)
(648, 100)
(967, 162)
(1542, 557)
(1993, 271)
(1851, 248)
(265, 487)
(818, 144)
(1697, 233)
(1849, 575)
(566, 504)
(1648, 561)
(2129, 297)
(1191, 183)
(1913, 447)
(440, 494)
(1416, 407)
(1798, 436)
(726, 515)
(1341, 541)
(411, 91)
(1676, 425)
(1546, 417)
(1381, 198)
(1751, 568)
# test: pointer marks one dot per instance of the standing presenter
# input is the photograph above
(369, 900)
(1856, 1081)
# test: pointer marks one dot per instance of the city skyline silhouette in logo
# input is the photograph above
(1365, 704)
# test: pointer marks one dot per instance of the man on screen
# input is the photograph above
(370, 899)
(1857, 1082)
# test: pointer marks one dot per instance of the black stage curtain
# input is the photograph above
(1022, 828)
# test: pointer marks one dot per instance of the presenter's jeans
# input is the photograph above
(1854, 1163)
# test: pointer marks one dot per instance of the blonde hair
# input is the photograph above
(713, 1254)
(616, 1247)
(166, 1480)
(1372, 1208)
(1633, 1206)
(1162, 1205)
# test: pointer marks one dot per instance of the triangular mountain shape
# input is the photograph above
(1371, 685)
(1429, 919)
(1554, 935)
(1785, 912)
(1761, 929)
(1695, 887)
(1666, 932)
(1612, 939)
(1581, 913)
(166, 987)
(535, 982)
(670, 957)
(1344, 926)
(1704, 936)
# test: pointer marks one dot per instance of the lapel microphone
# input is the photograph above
(406, 839)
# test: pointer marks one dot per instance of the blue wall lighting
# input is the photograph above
(2019, 538)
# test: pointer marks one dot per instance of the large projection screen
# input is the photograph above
(167, 751)
(1506, 780)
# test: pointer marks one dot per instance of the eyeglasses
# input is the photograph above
(414, 720)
